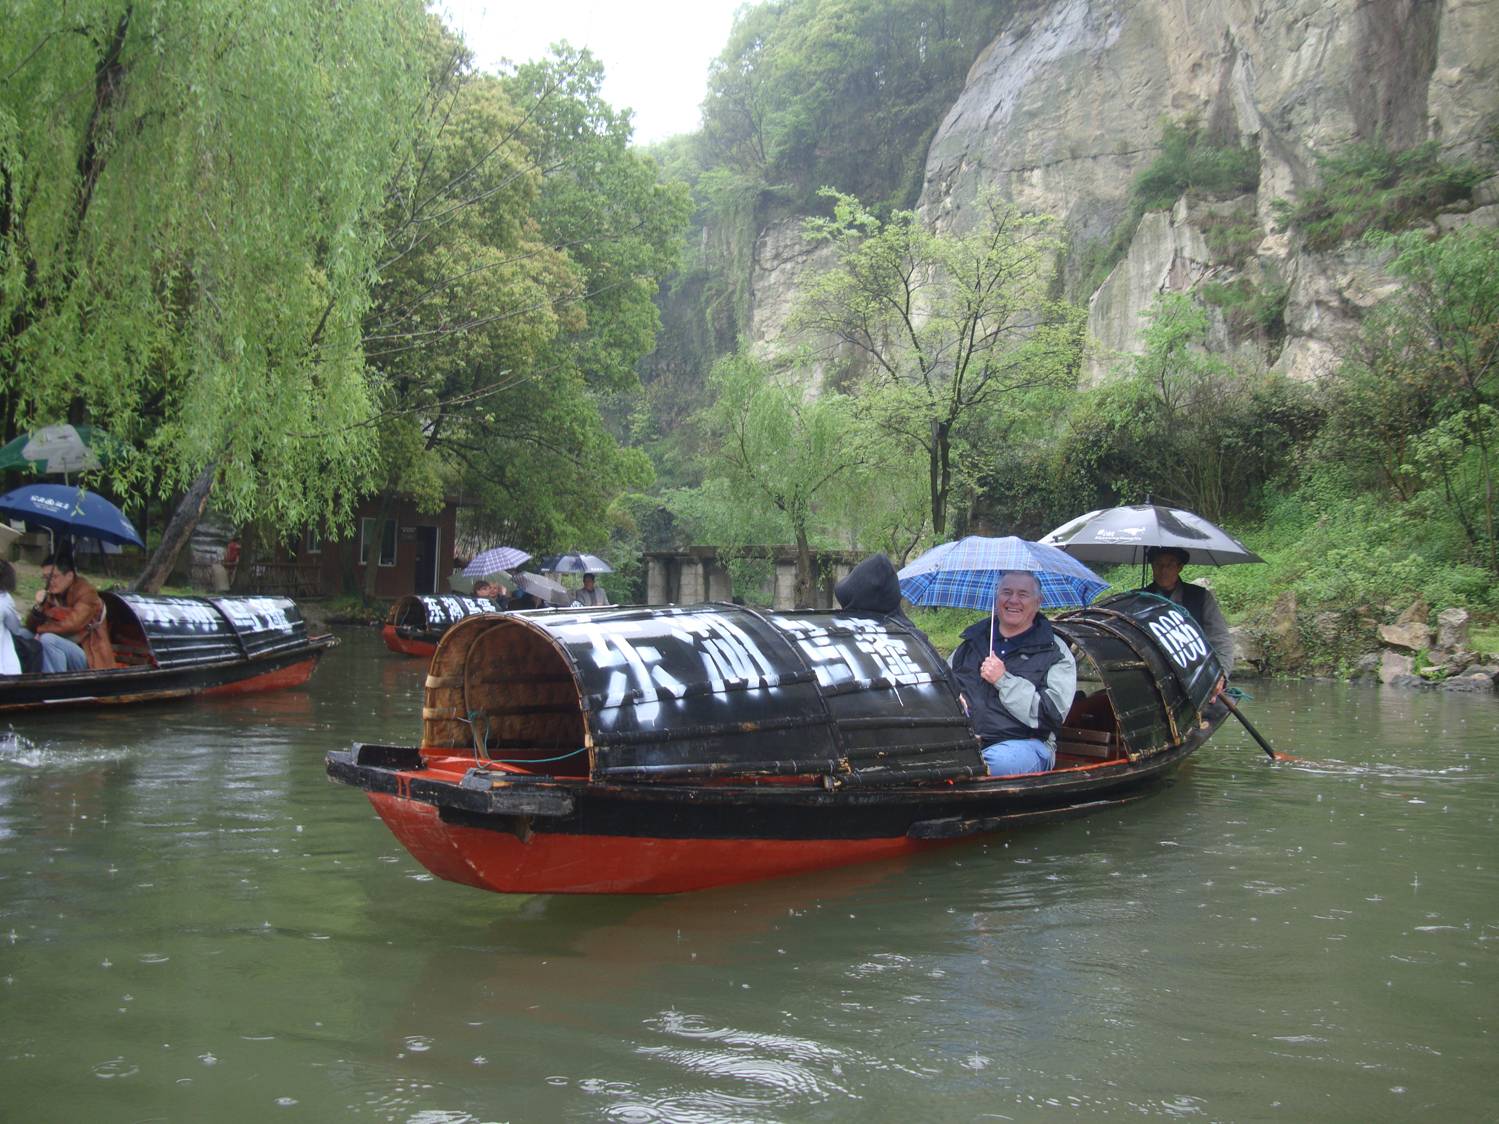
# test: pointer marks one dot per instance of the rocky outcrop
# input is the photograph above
(784, 260)
(1065, 107)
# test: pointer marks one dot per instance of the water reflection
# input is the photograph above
(195, 924)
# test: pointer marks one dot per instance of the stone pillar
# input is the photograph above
(690, 589)
(720, 584)
(658, 581)
(783, 585)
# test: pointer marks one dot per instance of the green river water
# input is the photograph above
(196, 926)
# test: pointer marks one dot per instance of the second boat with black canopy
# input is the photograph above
(417, 621)
(662, 750)
(179, 647)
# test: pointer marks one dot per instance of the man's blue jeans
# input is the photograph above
(61, 654)
(1019, 756)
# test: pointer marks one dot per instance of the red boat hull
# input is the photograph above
(613, 864)
(293, 675)
(406, 646)
(127, 685)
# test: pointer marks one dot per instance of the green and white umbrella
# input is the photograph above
(60, 448)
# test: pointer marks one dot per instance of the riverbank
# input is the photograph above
(1415, 645)
(1416, 648)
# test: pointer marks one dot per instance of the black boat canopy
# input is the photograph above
(722, 690)
(171, 631)
(434, 612)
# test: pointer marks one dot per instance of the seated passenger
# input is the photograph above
(10, 622)
(68, 619)
(1017, 678)
(493, 591)
(872, 587)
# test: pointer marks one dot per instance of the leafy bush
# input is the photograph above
(1366, 186)
(1234, 236)
(1250, 309)
(944, 627)
(1189, 162)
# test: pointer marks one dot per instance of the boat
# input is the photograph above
(181, 647)
(675, 749)
(417, 621)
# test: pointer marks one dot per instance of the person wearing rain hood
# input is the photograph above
(872, 587)
(1017, 678)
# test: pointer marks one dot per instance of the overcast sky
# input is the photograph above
(655, 52)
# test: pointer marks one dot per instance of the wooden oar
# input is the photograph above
(1255, 734)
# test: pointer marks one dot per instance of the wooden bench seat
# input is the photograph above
(1077, 741)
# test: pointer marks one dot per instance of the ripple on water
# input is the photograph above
(746, 1069)
(115, 1067)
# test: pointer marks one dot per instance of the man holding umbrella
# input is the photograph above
(1166, 564)
(1017, 678)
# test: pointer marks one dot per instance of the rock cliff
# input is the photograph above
(1066, 106)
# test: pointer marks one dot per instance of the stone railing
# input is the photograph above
(694, 574)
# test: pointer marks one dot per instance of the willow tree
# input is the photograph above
(469, 292)
(781, 458)
(950, 333)
(188, 202)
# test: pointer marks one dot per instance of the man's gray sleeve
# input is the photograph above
(1217, 632)
(1044, 709)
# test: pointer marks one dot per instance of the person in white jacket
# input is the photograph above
(10, 621)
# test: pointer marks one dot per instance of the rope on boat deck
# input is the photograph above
(481, 743)
(540, 760)
(481, 740)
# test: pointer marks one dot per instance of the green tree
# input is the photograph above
(1419, 401)
(950, 331)
(188, 194)
(526, 242)
(1184, 425)
(780, 457)
(469, 297)
(608, 208)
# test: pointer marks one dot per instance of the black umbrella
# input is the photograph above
(544, 589)
(1124, 534)
(576, 563)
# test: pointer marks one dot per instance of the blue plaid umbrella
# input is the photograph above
(496, 560)
(965, 574)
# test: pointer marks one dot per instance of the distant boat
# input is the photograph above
(181, 647)
(663, 750)
(417, 621)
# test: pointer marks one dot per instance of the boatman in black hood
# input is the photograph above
(1017, 678)
(873, 586)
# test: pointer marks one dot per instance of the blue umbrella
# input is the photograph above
(965, 574)
(70, 511)
(496, 560)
